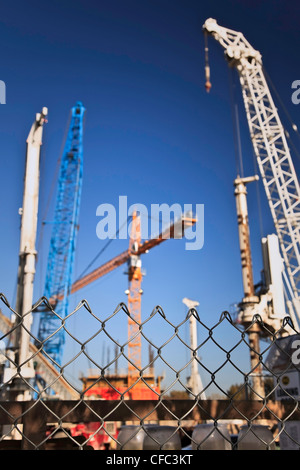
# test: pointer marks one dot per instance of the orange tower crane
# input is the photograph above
(132, 257)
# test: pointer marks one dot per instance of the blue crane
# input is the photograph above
(58, 281)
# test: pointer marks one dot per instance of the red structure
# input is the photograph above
(113, 387)
(116, 386)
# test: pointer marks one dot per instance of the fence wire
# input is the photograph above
(92, 401)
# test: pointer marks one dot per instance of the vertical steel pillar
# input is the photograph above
(250, 299)
(194, 381)
(27, 254)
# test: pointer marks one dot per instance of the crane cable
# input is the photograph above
(102, 250)
(238, 148)
(207, 67)
(236, 128)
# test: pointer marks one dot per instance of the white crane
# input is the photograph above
(27, 253)
(271, 149)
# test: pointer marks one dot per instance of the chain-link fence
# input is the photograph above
(173, 396)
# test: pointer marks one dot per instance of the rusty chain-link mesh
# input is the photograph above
(87, 401)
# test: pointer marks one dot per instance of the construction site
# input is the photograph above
(62, 387)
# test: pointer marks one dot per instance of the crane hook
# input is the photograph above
(207, 67)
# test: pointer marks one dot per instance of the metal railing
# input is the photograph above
(88, 402)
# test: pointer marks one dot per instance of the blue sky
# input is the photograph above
(151, 133)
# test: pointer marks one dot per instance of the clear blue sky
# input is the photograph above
(152, 133)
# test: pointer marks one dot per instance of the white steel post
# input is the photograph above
(27, 254)
(250, 299)
(194, 381)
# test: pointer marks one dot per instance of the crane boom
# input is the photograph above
(270, 146)
(63, 238)
(132, 257)
(183, 223)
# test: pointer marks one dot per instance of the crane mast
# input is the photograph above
(63, 239)
(270, 146)
(134, 301)
(27, 252)
(134, 292)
